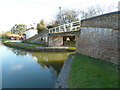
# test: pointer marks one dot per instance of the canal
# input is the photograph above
(24, 69)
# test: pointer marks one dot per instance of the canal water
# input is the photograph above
(24, 69)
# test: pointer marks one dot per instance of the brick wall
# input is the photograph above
(109, 20)
(55, 41)
(99, 40)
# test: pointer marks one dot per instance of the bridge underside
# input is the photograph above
(56, 39)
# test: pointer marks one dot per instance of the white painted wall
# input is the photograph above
(30, 33)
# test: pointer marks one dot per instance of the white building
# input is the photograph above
(30, 33)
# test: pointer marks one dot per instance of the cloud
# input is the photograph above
(16, 67)
(32, 11)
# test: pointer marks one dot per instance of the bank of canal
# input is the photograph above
(26, 69)
(36, 48)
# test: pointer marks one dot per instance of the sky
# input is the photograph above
(32, 11)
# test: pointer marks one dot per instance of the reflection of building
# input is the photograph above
(30, 33)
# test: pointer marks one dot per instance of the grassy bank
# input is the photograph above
(19, 44)
(69, 47)
(72, 48)
(87, 72)
(34, 47)
(3, 40)
(36, 44)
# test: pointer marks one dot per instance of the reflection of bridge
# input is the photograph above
(54, 36)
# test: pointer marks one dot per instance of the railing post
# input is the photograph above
(52, 30)
(55, 29)
(59, 28)
(64, 28)
(71, 26)
(49, 30)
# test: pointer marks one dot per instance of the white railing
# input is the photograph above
(66, 27)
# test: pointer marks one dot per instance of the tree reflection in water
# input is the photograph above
(51, 60)
(19, 52)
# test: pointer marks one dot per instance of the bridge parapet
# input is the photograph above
(66, 27)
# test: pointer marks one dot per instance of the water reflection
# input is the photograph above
(50, 59)
(45, 59)
(0, 69)
(54, 60)
(19, 52)
(0, 43)
(23, 69)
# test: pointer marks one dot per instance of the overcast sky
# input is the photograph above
(32, 11)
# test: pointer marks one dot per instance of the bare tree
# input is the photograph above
(91, 11)
(96, 10)
(66, 16)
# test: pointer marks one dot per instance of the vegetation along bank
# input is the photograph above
(31, 47)
(81, 71)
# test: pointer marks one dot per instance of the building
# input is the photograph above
(30, 33)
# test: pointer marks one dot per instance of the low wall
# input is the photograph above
(99, 41)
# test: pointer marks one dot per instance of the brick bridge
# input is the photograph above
(54, 36)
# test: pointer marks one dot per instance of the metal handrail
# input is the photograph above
(65, 27)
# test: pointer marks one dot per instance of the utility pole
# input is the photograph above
(60, 16)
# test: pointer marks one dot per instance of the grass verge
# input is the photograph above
(18, 44)
(3, 40)
(29, 45)
(87, 72)
(72, 48)
(35, 44)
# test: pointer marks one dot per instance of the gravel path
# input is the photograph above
(64, 73)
